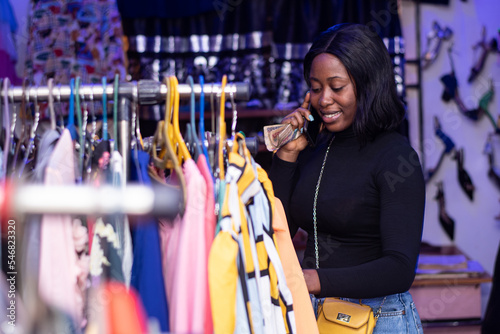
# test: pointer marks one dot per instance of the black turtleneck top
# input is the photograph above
(370, 211)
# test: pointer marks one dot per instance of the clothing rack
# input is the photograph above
(142, 92)
(30, 199)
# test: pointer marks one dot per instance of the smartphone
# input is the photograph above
(311, 129)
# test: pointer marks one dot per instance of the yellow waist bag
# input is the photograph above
(340, 316)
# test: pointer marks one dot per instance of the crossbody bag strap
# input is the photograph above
(316, 248)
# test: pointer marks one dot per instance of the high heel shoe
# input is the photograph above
(463, 177)
(446, 222)
(485, 50)
(435, 37)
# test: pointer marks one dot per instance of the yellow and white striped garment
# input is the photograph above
(248, 287)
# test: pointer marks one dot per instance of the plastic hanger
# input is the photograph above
(135, 125)
(86, 142)
(168, 114)
(6, 124)
(134, 142)
(31, 143)
(36, 121)
(137, 122)
(220, 138)
(222, 128)
(13, 142)
(182, 150)
(90, 152)
(26, 129)
(13, 123)
(104, 110)
(201, 127)
(81, 138)
(85, 119)
(92, 113)
(167, 158)
(50, 84)
(104, 146)
(60, 113)
(115, 111)
(23, 119)
(195, 142)
(171, 161)
(235, 115)
(212, 109)
(71, 116)
(189, 131)
(189, 138)
(212, 135)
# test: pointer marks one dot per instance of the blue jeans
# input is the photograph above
(398, 316)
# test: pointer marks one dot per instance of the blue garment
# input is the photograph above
(398, 314)
(147, 276)
(7, 15)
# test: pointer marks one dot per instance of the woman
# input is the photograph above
(362, 182)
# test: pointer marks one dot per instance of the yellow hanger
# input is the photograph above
(170, 159)
(168, 112)
(167, 158)
(222, 127)
(182, 150)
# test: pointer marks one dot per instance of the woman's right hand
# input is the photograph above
(291, 150)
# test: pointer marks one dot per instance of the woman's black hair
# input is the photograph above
(369, 65)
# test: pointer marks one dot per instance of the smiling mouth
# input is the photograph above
(332, 115)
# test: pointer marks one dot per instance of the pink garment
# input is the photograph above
(209, 231)
(169, 243)
(189, 293)
(58, 260)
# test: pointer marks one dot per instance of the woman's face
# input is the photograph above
(332, 92)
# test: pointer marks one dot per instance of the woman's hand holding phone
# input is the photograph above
(297, 118)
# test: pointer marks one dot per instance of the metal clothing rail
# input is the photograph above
(145, 92)
(134, 199)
